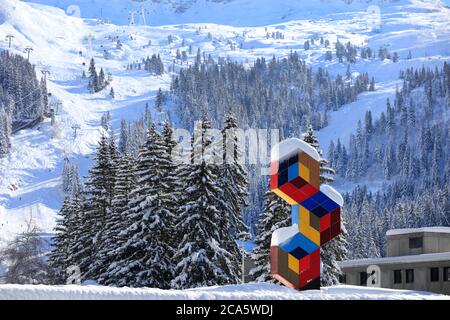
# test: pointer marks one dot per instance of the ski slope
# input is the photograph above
(255, 291)
(239, 13)
(30, 186)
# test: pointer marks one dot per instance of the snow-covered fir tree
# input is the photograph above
(96, 207)
(145, 259)
(71, 183)
(202, 257)
(234, 185)
(93, 78)
(59, 256)
(117, 221)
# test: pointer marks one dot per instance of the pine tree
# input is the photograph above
(106, 121)
(66, 176)
(372, 84)
(96, 207)
(112, 94)
(117, 221)
(159, 102)
(102, 83)
(276, 215)
(233, 183)
(146, 258)
(58, 257)
(93, 85)
(202, 258)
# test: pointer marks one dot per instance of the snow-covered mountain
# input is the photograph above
(228, 12)
(30, 184)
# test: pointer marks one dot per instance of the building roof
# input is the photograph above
(428, 229)
(429, 257)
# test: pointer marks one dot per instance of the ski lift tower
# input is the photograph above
(131, 18)
(141, 12)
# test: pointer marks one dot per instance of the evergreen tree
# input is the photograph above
(93, 85)
(202, 258)
(124, 137)
(159, 102)
(102, 83)
(96, 207)
(146, 258)
(58, 257)
(233, 183)
(117, 222)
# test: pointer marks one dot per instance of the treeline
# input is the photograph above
(283, 93)
(153, 65)
(152, 221)
(409, 138)
(23, 98)
(409, 147)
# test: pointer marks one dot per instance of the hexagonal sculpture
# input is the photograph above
(295, 251)
(294, 176)
(295, 259)
(318, 217)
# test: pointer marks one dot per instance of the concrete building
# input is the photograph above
(417, 259)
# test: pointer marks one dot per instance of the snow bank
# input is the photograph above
(254, 291)
(281, 235)
(290, 146)
(331, 193)
(427, 229)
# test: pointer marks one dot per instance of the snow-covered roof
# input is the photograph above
(427, 229)
(281, 235)
(288, 147)
(332, 194)
(442, 256)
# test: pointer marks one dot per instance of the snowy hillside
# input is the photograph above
(237, 292)
(243, 13)
(30, 177)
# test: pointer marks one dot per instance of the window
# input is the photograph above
(343, 278)
(363, 278)
(447, 274)
(409, 275)
(434, 274)
(415, 243)
(397, 276)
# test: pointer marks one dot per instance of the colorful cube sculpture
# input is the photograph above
(295, 251)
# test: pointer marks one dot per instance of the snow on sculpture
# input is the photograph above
(316, 214)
